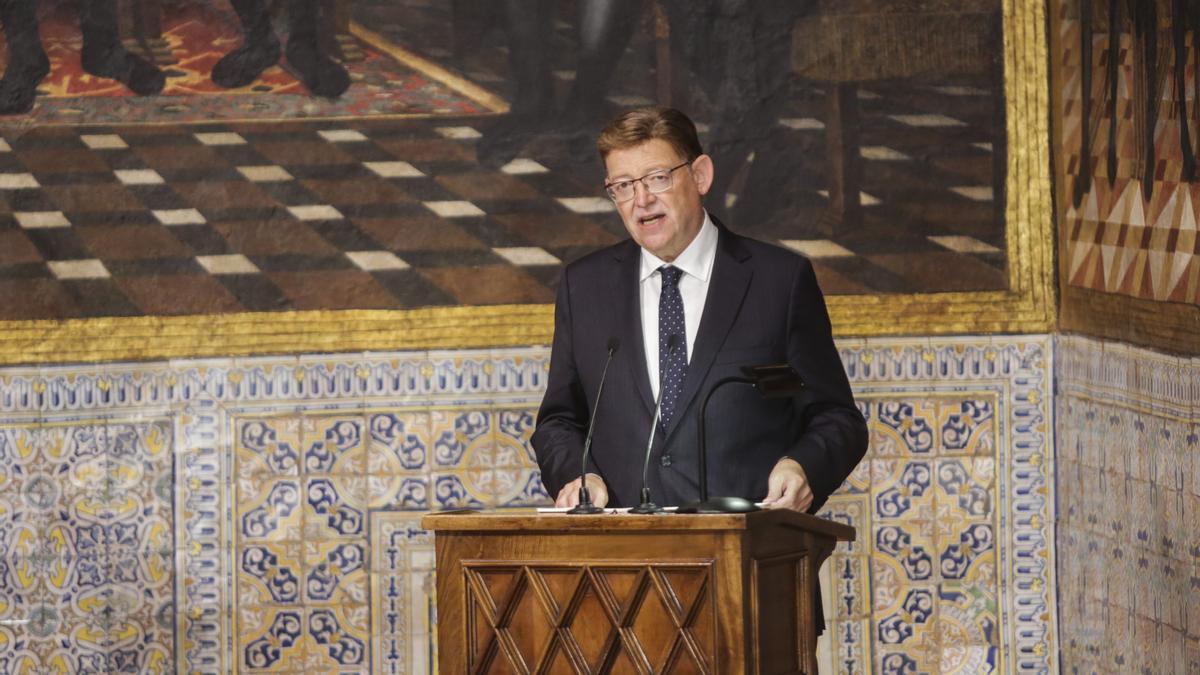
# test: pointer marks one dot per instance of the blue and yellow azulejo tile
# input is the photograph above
(87, 547)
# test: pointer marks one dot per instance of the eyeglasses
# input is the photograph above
(655, 182)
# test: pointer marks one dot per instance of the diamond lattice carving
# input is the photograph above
(563, 618)
(591, 625)
(621, 585)
(649, 619)
(528, 625)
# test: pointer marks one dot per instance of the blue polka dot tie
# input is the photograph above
(670, 322)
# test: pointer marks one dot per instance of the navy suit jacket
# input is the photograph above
(763, 306)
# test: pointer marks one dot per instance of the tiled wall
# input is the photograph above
(263, 514)
(1129, 508)
(953, 568)
(88, 542)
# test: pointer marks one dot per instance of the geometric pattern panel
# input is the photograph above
(950, 570)
(305, 486)
(923, 594)
(279, 465)
(301, 544)
(87, 547)
(582, 619)
(1126, 232)
(277, 505)
(1129, 494)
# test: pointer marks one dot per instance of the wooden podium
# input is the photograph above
(522, 592)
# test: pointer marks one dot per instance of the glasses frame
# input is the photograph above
(634, 181)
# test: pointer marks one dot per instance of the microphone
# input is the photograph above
(648, 506)
(775, 380)
(585, 498)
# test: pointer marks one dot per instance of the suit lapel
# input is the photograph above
(726, 289)
(627, 294)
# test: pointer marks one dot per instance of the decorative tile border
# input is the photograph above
(402, 595)
(303, 380)
(1129, 376)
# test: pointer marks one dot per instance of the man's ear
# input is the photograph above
(702, 173)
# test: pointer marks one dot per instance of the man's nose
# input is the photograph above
(642, 194)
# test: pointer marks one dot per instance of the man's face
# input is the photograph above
(664, 223)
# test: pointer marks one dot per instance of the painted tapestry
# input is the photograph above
(204, 157)
(1127, 127)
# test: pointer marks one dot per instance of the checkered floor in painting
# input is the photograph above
(931, 218)
(160, 220)
(177, 221)
(932, 160)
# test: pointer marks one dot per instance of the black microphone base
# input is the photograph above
(586, 509)
(646, 508)
(586, 505)
(719, 505)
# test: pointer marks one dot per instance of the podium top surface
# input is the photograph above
(529, 520)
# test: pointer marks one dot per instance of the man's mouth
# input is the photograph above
(652, 219)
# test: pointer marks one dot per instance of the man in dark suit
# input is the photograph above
(729, 301)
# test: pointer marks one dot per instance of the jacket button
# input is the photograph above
(666, 460)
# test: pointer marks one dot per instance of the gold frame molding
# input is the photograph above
(1027, 306)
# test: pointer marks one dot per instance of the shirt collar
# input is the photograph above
(696, 260)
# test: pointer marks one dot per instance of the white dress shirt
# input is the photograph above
(696, 261)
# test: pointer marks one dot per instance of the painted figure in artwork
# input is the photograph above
(260, 49)
(605, 27)
(732, 49)
(102, 54)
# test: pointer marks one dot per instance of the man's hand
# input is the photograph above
(569, 495)
(787, 487)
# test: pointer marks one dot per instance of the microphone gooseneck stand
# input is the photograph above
(647, 506)
(718, 504)
(585, 505)
(771, 381)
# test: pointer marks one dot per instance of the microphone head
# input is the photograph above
(672, 343)
(614, 344)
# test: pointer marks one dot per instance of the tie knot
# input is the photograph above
(670, 275)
